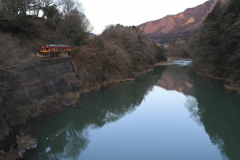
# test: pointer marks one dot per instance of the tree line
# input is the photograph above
(64, 17)
(215, 46)
(48, 8)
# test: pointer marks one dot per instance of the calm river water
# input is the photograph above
(166, 114)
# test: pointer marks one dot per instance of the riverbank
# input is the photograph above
(44, 86)
(9, 146)
(92, 124)
(229, 85)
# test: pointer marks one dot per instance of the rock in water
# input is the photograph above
(67, 101)
(26, 142)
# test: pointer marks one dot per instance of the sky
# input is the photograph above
(102, 13)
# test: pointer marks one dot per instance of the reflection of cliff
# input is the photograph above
(96, 109)
(176, 78)
(219, 112)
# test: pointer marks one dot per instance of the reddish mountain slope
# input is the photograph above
(172, 27)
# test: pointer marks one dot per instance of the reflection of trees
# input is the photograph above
(210, 106)
(192, 106)
(59, 139)
(66, 140)
(219, 112)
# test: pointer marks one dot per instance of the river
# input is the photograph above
(168, 114)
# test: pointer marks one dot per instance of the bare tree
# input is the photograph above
(69, 6)
(74, 24)
(9, 8)
(13, 8)
(46, 3)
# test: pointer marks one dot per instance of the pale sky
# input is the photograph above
(131, 12)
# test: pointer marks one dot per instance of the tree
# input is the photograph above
(69, 6)
(74, 24)
(49, 8)
(15, 8)
(51, 12)
(216, 44)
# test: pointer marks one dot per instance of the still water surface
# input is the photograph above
(167, 114)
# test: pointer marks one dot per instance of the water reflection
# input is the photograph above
(176, 78)
(219, 112)
(66, 135)
(210, 105)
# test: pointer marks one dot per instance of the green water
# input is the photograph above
(167, 114)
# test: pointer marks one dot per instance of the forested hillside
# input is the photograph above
(46, 21)
(215, 46)
(120, 52)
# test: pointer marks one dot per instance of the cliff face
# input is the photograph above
(46, 84)
(172, 27)
(49, 77)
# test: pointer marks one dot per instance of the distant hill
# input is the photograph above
(91, 35)
(172, 27)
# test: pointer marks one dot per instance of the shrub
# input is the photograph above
(135, 61)
(160, 53)
(75, 51)
(99, 42)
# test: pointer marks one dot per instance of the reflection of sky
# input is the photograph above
(160, 128)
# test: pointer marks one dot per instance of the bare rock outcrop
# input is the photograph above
(172, 27)
(26, 142)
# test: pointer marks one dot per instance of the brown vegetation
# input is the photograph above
(119, 53)
(179, 49)
(62, 21)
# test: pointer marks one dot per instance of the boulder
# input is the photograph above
(75, 86)
(26, 142)
(67, 101)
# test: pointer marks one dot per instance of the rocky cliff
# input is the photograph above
(172, 27)
(46, 84)
(49, 77)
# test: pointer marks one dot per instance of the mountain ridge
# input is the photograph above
(171, 27)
